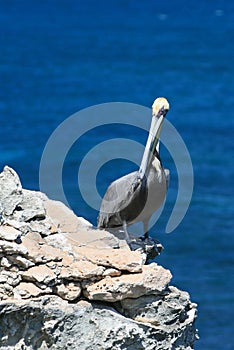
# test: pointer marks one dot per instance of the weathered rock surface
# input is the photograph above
(82, 326)
(67, 285)
(152, 280)
(11, 191)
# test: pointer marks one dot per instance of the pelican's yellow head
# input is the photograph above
(160, 106)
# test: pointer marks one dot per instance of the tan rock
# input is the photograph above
(58, 240)
(32, 248)
(95, 238)
(35, 236)
(81, 270)
(116, 258)
(77, 230)
(39, 252)
(67, 260)
(150, 321)
(8, 233)
(41, 274)
(48, 253)
(152, 280)
(26, 290)
(70, 291)
(111, 272)
(64, 217)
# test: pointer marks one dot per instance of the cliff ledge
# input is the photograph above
(66, 285)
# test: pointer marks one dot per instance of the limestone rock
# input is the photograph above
(27, 290)
(41, 274)
(38, 251)
(8, 233)
(64, 217)
(81, 269)
(12, 248)
(112, 272)
(71, 291)
(69, 224)
(8, 281)
(152, 280)
(52, 263)
(10, 190)
(20, 261)
(5, 262)
(30, 207)
(169, 310)
(124, 260)
(53, 323)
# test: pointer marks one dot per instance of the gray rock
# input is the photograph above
(12, 248)
(172, 312)
(31, 207)
(53, 323)
(10, 191)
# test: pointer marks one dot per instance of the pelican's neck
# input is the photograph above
(152, 145)
(148, 158)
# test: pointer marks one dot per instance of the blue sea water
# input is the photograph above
(58, 57)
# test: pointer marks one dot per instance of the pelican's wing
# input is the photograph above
(116, 198)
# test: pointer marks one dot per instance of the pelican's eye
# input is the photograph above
(162, 111)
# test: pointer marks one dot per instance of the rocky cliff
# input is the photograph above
(67, 285)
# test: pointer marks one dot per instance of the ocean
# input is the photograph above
(60, 57)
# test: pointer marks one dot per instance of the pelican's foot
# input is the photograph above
(132, 243)
(151, 247)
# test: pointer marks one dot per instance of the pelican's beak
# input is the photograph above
(156, 127)
(159, 109)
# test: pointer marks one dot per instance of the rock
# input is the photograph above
(27, 290)
(121, 260)
(20, 261)
(64, 217)
(8, 280)
(31, 207)
(81, 269)
(5, 262)
(164, 310)
(10, 190)
(112, 272)
(8, 233)
(66, 285)
(95, 238)
(38, 251)
(41, 274)
(53, 323)
(70, 291)
(69, 224)
(44, 227)
(12, 248)
(152, 280)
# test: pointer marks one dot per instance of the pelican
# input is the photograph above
(136, 196)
